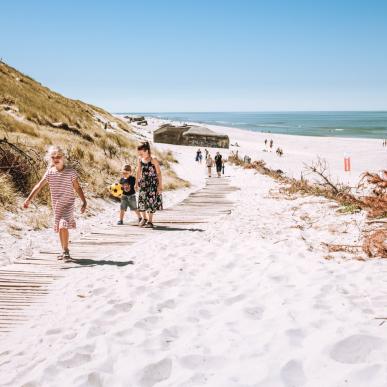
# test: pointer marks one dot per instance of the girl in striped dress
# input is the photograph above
(62, 181)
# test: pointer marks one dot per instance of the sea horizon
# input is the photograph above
(324, 123)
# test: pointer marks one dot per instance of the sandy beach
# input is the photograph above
(300, 151)
(253, 300)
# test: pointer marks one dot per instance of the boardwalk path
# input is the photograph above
(24, 284)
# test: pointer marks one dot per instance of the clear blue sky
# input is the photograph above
(197, 55)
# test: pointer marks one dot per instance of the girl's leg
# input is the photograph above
(64, 238)
(138, 213)
(61, 238)
(150, 217)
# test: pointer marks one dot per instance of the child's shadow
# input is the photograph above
(168, 228)
(85, 262)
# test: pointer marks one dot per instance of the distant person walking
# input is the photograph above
(271, 144)
(265, 143)
(209, 164)
(63, 181)
(206, 153)
(150, 185)
(198, 156)
(218, 163)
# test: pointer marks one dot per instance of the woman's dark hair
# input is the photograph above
(144, 146)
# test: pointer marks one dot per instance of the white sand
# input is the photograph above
(249, 302)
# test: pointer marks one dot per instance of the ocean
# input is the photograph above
(333, 124)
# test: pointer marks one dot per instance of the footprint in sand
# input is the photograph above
(198, 361)
(296, 336)
(168, 336)
(75, 360)
(235, 299)
(168, 304)
(31, 384)
(120, 308)
(94, 379)
(197, 379)
(358, 348)
(96, 330)
(204, 313)
(292, 374)
(53, 331)
(147, 322)
(170, 283)
(70, 335)
(156, 372)
(98, 291)
(254, 312)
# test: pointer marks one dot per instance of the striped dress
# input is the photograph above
(62, 196)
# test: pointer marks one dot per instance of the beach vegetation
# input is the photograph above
(374, 202)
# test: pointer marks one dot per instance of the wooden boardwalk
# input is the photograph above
(25, 283)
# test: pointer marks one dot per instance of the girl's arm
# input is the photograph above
(138, 174)
(159, 177)
(38, 187)
(80, 193)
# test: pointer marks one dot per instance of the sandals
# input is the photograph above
(142, 222)
(66, 256)
(148, 225)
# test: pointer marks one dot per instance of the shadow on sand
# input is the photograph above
(85, 262)
(166, 228)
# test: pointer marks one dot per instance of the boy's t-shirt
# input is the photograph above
(128, 185)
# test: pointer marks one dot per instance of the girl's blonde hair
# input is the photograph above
(54, 149)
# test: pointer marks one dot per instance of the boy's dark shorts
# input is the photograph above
(128, 201)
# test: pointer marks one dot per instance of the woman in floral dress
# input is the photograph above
(150, 185)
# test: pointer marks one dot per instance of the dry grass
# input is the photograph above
(14, 230)
(377, 202)
(40, 219)
(172, 182)
(8, 194)
(375, 243)
(9, 124)
(42, 106)
(334, 248)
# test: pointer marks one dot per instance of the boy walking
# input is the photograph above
(128, 198)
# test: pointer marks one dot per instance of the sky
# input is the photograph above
(197, 55)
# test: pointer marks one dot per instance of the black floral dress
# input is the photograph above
(148, 199)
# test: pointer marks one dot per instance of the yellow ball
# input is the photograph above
(116, 189)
